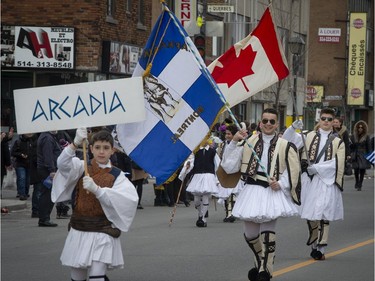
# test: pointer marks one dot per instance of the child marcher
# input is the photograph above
(104, 204)
(203, 182)
(227, 195)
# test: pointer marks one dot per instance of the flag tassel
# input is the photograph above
(147, 71)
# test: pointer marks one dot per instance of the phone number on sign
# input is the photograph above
(45, 64)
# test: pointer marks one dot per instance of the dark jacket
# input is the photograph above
(360, 145)
(27, 146)
(5, 155)
(48, 151)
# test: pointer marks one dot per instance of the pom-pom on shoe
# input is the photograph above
(253, 274)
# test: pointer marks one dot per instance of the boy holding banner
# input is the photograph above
(104, 204)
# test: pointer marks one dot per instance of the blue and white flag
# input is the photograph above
(371, 157)
(182, 102)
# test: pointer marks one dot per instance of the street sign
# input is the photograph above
(333, 98)
(220, 8)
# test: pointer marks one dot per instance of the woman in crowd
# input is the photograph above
(359, 147)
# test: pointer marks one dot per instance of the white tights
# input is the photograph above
(201, 203)
(253, 229)
(96, 269)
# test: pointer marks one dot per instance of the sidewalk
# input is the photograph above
(12, 203)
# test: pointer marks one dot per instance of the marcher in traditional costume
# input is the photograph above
(322, 179)
(203, 182)
(263, 200)
(104, 204)
(227, 195)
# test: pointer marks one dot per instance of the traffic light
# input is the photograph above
(200, 43)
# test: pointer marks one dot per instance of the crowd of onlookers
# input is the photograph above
(33, 158)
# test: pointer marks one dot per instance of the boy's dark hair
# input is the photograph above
(253, 127)
(103, 135)
(232, 128)
(272, 111)
(327, 110)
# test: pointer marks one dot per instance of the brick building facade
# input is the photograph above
(103, 31)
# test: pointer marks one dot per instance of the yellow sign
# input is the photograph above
(314, 93)
(357, 59)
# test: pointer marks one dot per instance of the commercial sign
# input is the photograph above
(220, 8)
(314, 93)
(70, 106)
(186, 11)
(357, 59)
(329, 35)
(39, 47)
(119, 58)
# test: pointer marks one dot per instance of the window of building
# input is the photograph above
(141, 15)
(128, 5)
(111, 11)
(111, 8)
(240, 26)
(255, 112)
(283, 34)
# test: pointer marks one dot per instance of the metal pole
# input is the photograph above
(295, 70)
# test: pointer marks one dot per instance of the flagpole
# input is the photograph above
(218, 91)
(302, 135)
(175, 204)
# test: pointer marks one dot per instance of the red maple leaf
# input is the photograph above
(234, 68)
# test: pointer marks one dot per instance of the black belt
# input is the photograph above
(94, 224)
(250, 180)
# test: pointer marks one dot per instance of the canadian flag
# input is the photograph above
(251, 65)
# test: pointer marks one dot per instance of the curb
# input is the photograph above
(13, 205)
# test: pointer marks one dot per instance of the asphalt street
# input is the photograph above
(155, 251)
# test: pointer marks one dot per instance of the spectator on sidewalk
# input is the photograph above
(48, 150)
(359, 147)
(6, 163)
(24, 152)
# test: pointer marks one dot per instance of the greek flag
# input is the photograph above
(181, 100)
(371, 157)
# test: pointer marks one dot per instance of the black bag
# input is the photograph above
(348, 170)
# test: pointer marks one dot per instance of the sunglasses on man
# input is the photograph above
(271, 121)
(329, 119)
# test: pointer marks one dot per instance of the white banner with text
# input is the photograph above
(89, 104)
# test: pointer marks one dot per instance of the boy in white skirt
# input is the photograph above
(322, 179)
(262, 200)
(203, 182)
(104, 204)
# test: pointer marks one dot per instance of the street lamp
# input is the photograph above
(296, 45)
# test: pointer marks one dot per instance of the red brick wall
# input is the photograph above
(89, 20)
